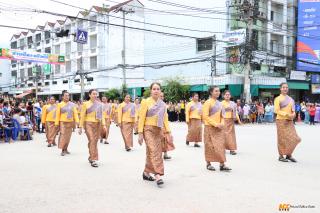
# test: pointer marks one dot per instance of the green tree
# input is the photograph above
(175, 91)
(146, 93)
(112, 94)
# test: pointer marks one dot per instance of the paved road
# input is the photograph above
(35, 178)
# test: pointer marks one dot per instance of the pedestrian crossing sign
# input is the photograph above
(81, 36)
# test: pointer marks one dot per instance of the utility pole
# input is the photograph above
(81, 79)
(214, 58)
(123, 53)
(247, 11)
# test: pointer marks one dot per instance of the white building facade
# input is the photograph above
(102, 51)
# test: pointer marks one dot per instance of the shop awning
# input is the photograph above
(199, 88)
(298, 85)
(235, 89)
(269, 86)
(23, 94)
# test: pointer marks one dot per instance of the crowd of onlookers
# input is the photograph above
(254, 112)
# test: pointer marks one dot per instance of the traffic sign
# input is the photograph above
(81, 36)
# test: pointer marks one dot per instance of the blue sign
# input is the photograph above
(315, 79)
(308, 45)
(81, 36)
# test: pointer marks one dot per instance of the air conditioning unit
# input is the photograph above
(54, 82)
(76, 80)
(65, 81)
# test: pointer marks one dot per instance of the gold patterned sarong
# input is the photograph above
(65, 134)
(230, 134)
(287, 137)
(51, 132)
(194, 130)
(93, 133)
(105, 133)
(154, 161)
(214, 141)
(127, 134)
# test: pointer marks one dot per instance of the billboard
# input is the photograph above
(315, 88)
(235, 37)
(29, 56)
(308, 42)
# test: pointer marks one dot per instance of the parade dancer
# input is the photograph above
(214, 135)
(107, 114)
(152, 118)
(48, 119)
(194, 121)
(126, 119)
(231, 115)
(66, 115)
(288, 139)
(92, 121)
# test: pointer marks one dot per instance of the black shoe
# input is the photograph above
(101, 141)
(90, 161)
(210, 167)
(54, 144)
(63, 153)
(106, 142)
(128, 149)
(160, 182)
(225, 169)
(148, 178)
(233, 153)
(187, 142)
(282, 159)
(196, 145)
(290, 158)
(166, 157)
(49, 145)
(67, 152)
(94, 164)
(135, 133)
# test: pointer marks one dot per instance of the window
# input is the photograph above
(14, 74)
(272, 16)
(57, 68)
(47, 35)
(57, 49)
(80, 47)
(21, 41)
(255, 39)
(68, 27)
(274, 46)
(22, 63)
(68, 48)
(93, 22)
(93, 62)
(47, 50)
(68, 66)
(204, 44)
(14, 45)
(30, 72)
(93, 41)
(29, 40)
(38, 37)
(22, 75)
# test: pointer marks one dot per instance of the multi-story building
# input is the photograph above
(102, 51)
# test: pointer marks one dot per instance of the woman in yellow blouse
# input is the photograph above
(66, 115)
(231, 115)
(137, 105)
(152, 118)
(126, 119)
(288, 139)
(48, 119)
(193, 119)
(214, 136)
(107, 114)
(92, 120)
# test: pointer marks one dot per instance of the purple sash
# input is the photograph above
(216, 108)
(287, 100)
(158, 109)
(232, 107)
(196, 106)
(130, 106)
(107, 108)
(68, 108)
(97, 108)
(51, 108)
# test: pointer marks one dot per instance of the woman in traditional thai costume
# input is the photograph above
(214, 133)
(288, 139)
(48, 119)
(194, 121)
(152, 118)
(231, 115)
(126, 119)
(107, 113)
(92, 121)
(66, 115)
